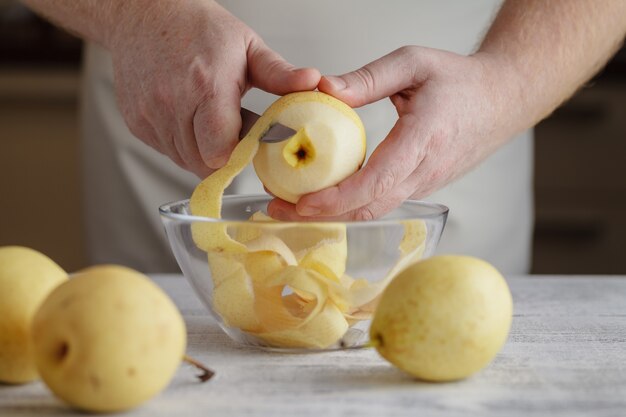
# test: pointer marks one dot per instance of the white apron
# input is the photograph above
(126, 181)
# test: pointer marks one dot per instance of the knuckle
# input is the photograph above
(413, 59)
(276, 67)
(364, 213)
(202, 81)
(340, 205)
(383, 183)
(366, 79)
(407, 50)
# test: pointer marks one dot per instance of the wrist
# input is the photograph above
(511, 92)
(122, 20)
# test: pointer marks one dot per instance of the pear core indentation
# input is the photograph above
(299, 150)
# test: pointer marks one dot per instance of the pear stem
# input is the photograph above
(369, 344)
(205, 374)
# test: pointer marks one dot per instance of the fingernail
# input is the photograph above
(336, 82)
(309, 211)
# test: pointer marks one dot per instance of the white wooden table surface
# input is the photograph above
(566, 356)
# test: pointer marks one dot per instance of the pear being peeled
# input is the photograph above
(26, 278)
(443, 318)
(328, 147)
(108, 339)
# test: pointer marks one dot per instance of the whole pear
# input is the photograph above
(26, 278)
(108, 339)
(443, 318)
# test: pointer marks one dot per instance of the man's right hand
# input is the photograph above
(181, 69)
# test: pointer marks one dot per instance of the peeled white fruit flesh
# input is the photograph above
(328, 147)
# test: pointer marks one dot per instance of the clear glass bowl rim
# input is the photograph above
(438, 210)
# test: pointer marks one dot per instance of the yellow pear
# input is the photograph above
(329, 145)
(26, 278)
(108, 339)
(443, 318)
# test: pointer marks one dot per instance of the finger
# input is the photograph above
(434, 172)
(268, 71)
(197, 90)
(167, 114)
(161, 116)
(169, 143)
(401, 69)
(216, 123)
(146, 130)
(188, 147)
(390, 164)
(186, 140)
(284, 211)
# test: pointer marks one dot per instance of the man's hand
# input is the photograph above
(454, 110)
(181, 69)
(447, 108)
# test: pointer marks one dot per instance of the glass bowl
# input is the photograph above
(296, 285)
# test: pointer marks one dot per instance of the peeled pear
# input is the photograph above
(108, 339)
(329, 145)
(443, 318)
(26, 278)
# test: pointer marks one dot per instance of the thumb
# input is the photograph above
(270, 72)
(382, 78)
(216, 124)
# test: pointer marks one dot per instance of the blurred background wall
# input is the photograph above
(580, 179)
(40, 196)
(580, 173)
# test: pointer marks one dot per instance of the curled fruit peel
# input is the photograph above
(285, 284)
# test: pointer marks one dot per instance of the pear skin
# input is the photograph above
(26, 278)
(443, 318)
(108, 339)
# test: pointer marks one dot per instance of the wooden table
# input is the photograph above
(566, 356)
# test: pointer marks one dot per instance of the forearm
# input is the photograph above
(89, 19)
(99, 20)
(547, 49)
